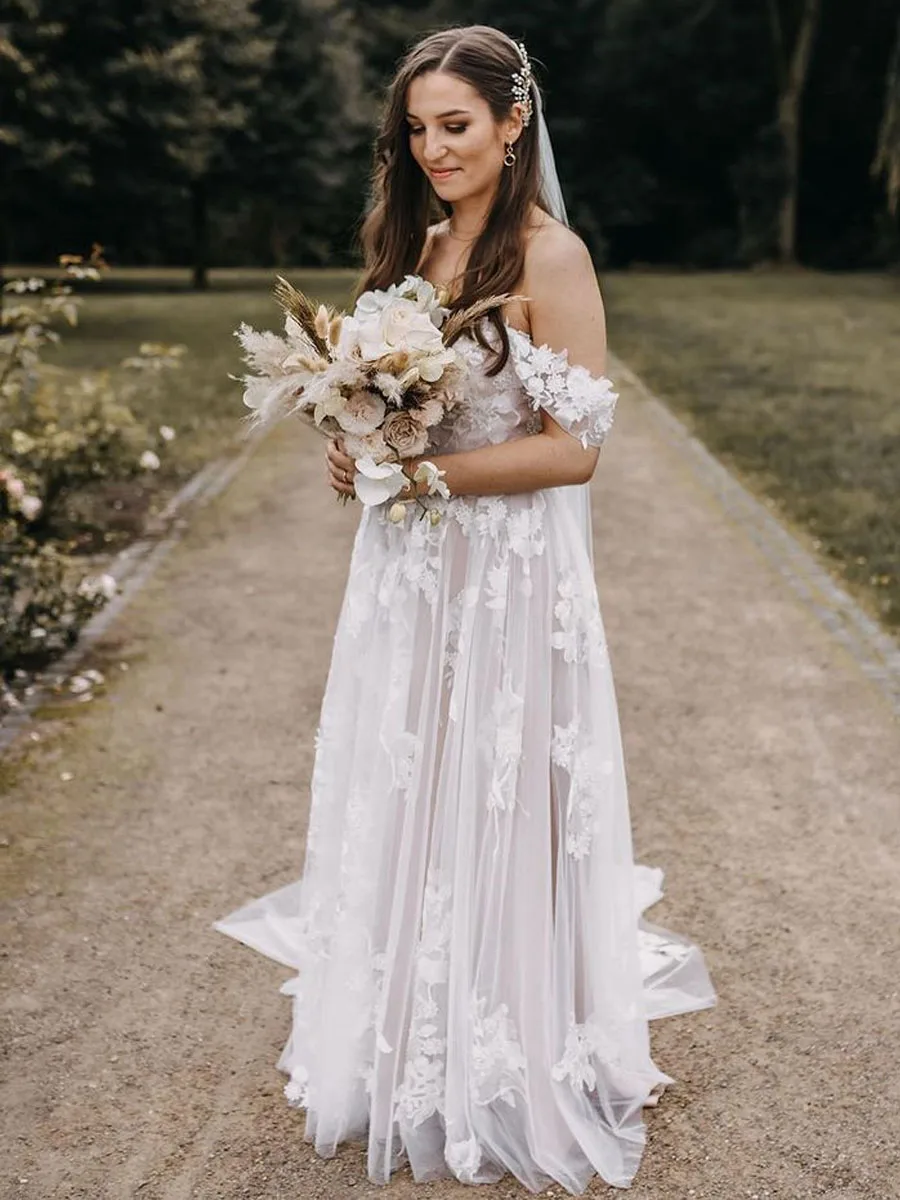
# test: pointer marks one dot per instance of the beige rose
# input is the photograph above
(405, 433)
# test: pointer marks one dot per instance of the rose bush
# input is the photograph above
(58, 435)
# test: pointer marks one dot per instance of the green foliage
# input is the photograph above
(58, 433)
(238, 131)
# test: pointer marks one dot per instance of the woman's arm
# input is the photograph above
(565, 312)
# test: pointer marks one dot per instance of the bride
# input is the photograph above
(473, 974)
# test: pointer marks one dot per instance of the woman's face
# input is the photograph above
(454, 138)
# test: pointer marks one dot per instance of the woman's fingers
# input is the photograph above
(341, 469)
(339, 459)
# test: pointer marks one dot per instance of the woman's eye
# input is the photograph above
(414, 130)
(457, 128)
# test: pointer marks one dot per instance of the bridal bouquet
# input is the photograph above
(382, 378)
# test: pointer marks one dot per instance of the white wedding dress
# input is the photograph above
(472, 973)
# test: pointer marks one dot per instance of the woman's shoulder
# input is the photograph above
(554, 248)
(565, 308)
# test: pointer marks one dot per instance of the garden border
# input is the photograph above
(872, 648)
(131, 568)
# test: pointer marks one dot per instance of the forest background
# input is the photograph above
(698, 133)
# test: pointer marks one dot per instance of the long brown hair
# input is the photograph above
(393, 234)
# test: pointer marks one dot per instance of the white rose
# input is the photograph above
(348, 342)
(93, 586)
(370, 304)
(405, 327)
(30, 507)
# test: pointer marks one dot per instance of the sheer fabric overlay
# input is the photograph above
(473, 974)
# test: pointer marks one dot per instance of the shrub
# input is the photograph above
(58, 434)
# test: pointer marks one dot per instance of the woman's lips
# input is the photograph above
(444, 173)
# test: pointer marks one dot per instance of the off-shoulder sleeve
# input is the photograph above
(582, 403)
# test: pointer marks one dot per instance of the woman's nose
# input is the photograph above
(435, 148)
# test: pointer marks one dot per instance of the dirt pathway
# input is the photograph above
(765, 776)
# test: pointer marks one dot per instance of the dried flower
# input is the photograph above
(405, 433)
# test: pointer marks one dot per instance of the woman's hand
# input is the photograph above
(341, 469)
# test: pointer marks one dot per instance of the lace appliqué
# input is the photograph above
(514, 523)
(421, 1093)
(582, 403)
(580, 633)
(405, 750)
(498, 1061)
(501, 741)
(585, 1043)
(589, 771)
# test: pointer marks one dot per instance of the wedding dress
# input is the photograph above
(472, 971)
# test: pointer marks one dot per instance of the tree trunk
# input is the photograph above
(278, 238)
(887, 154)
(200, 234)
(793, 83)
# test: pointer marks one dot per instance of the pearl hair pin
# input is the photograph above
(521, 84)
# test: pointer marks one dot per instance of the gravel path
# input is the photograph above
(765, 775)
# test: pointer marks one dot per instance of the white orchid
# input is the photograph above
(431, 368)
(433, 477)
(377, 482)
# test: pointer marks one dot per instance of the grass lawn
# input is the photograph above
(793, 380)
(199, 401)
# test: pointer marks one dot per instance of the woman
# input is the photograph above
(474, 976)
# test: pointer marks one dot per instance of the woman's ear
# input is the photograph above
(513, 125)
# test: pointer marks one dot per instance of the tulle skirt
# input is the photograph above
(472, 970)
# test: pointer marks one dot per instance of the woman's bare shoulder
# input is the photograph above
(554, 247)
(565, 308)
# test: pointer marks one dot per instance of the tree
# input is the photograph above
(792, 64)
(218, 57)
(307, 126)
(887, 155)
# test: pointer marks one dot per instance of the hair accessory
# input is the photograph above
(521, 84)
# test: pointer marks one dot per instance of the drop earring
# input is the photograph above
(510, 157)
